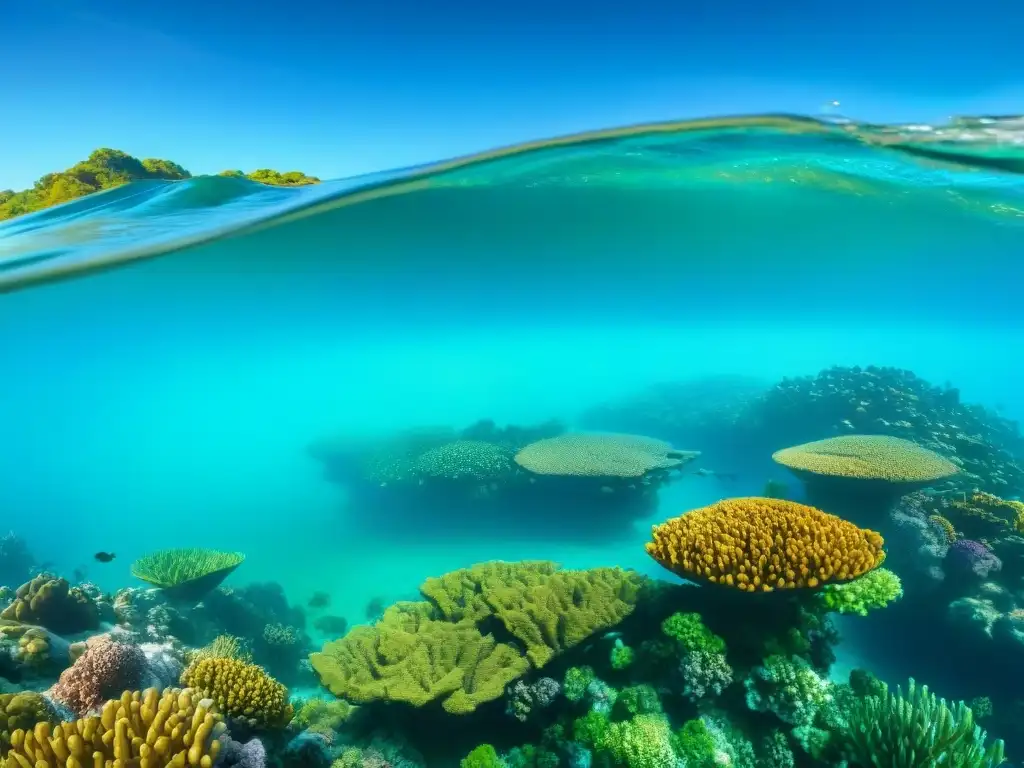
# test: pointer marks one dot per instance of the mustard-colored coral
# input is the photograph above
(223, 647)
(564, 609)
(146, 730)
(600, 455)
(459, 595)
(21, 711)
(760, 545)
(867, 457)
(411, 657)
(992, 509)
(53, 603)
(947, 527)
(240, 690)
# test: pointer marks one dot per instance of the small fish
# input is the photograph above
(104, 557)
(319, 600)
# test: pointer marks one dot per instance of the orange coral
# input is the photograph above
(760, 545)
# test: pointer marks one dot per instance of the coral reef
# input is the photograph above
(760, 545)
(241, 691)
(186, 574)
(105, 669)
(53, 603)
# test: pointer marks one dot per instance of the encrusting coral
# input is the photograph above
(240, 691)
(53, 603)
(186, 574)
(600, 455)
(139, 729)
(760, 545)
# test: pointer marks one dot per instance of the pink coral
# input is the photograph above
(102, 672)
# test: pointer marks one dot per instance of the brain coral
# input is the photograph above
(759, 545)
(240, 690)
(867, 457)
(600, 455)
(139, 729)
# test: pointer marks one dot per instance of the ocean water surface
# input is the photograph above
(170, 351)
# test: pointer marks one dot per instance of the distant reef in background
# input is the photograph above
(106, 168)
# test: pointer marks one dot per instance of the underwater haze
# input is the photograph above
(175, 354)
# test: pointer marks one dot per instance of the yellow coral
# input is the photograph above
(240, 690)
(223, 647)
(146, 730)
(867, 457)
(21, 711)
(459, 595)
(409, 656)
(947, 527)
(759, 545)
(600, 455)
(993, 509)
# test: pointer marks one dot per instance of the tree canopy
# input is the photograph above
(106, 168)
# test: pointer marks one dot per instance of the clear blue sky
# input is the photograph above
(334, 88)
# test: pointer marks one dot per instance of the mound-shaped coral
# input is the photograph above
(186, 574)
(100, 673)
(460, 594)
(759, 545)
(53, 603)
(601, 455)
(139, 729)
(240, 691)
(21, 711)
(409, 656)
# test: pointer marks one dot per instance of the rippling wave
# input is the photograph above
(971, 166)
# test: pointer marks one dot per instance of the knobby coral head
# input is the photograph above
(102, 672)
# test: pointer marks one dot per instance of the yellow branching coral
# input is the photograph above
(564, 609)
(459, 595)
(759, 545)
(867, 457)
(223, 647)
(139, 729)
(947, 527)
(409, 656)
(600, 455)
(240, 690)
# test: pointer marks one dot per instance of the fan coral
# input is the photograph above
(971, 558)
(600, 455)
(144, 729)
(53, 603)
(875, 589)
(867, 457)
(758, 544)
(106, 668)
(241, 691)
(884, 730)
(186, 574)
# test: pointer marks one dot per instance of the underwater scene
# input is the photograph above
(673, 446)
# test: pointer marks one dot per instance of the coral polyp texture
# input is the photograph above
(240, 691)
(601, 455)
(52, 603)
(465, 459)
(104, 669)
(186, 574)
(760, 545)
(867, 457)
(144, 729)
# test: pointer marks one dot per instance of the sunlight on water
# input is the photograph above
(175, 353)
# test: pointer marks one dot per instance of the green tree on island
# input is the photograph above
(106, 168)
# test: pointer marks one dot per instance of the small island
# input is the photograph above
(106, 168)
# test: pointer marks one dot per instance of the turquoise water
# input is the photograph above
(171, 350)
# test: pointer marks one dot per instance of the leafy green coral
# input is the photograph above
(483, 756)
(875, 589)
(694, 745)
(187, 573)
(411, 657)
(636, 700)
(787, 687)
(688, 630)
(644, 741)
(576, 681)
(622, 656)
(915, 731)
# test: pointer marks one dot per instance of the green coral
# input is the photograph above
(186, 573)
(644, 741)
(576, 681)
(787, 687)
(688, 630)
(461, 594)
(915, 731)
(530, 756)
(410, 656)
(875, 589)
(590, 729)
(694, 745)
(322, 715)
(622, 656)
(483, 756)
(636, 700)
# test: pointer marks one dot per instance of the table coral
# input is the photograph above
(186, 574)
(760, 545)
(867, 457)
(601, 455)
(411, 657)
(144, 729)
(105, 668)
(240, 691)
(53, 603)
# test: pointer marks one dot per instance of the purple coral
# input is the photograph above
(971, 558)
